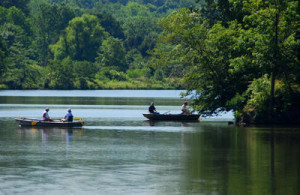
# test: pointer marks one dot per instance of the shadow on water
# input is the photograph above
(171, 123)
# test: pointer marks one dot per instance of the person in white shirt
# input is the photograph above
(46, 116)
(184, 109)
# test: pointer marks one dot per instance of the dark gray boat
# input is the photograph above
(172, 117)
(25, 122)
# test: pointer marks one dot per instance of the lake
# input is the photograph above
(118, 151)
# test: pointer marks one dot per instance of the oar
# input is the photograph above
(78, 119)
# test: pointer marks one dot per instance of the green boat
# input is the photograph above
(27, 122)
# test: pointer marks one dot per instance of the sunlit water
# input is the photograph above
(118, 151)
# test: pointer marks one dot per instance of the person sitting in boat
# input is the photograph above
(184, 109)
(46, 116)
(68, 117)
(152, 109)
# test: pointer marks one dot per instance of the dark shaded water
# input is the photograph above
(120, 152)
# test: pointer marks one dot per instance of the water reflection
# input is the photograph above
(49, 133)
(118, 151)
(88, 100)
(161, 157)
(228, 162)
(143, 125)
(171, 123)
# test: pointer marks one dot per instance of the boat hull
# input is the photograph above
(27, 122)
(172, 117)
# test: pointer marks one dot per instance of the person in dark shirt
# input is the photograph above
(152, 109)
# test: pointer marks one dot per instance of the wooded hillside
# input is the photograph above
(90, 44)
(230, 54)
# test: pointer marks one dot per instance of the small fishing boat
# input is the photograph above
(55, 123)
(172, 117)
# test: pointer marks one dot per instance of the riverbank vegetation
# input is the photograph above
(91, 44)
(230, 54)
(238, 55)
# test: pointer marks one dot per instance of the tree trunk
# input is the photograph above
(274, 70)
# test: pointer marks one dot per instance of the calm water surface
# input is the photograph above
(120, 152)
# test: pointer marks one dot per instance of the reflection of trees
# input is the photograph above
(274, 161)
(239, 161)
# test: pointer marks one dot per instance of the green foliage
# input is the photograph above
(164, 56)
(274, 25)
(16, 17)
(109, 74)
(114, 6)
(16, 56)
(133, 84)
(48, 22)
(221, 58)
(135, 59)
(35, 77)
(232, 53)
(257, 106)
(159, 75)
(140, 27)
(3, 60)
(42, 43)
(20, 4)
(206, 55)
(135, 73)
(112, 54)
(111, 25)
(81, 39)
(221, 11)
(140, 33)
(133, 9)
(84, 69)
(61, 74)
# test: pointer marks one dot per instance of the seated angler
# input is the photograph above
(184, 109)
(68, 117)
(152, 109)
(46, 116)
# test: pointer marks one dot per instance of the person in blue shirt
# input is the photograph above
(69, 116)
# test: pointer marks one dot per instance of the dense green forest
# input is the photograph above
(88, 44)
(236, 55)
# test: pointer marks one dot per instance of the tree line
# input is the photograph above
(229, 54)
(91, 44)
(237, 55)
